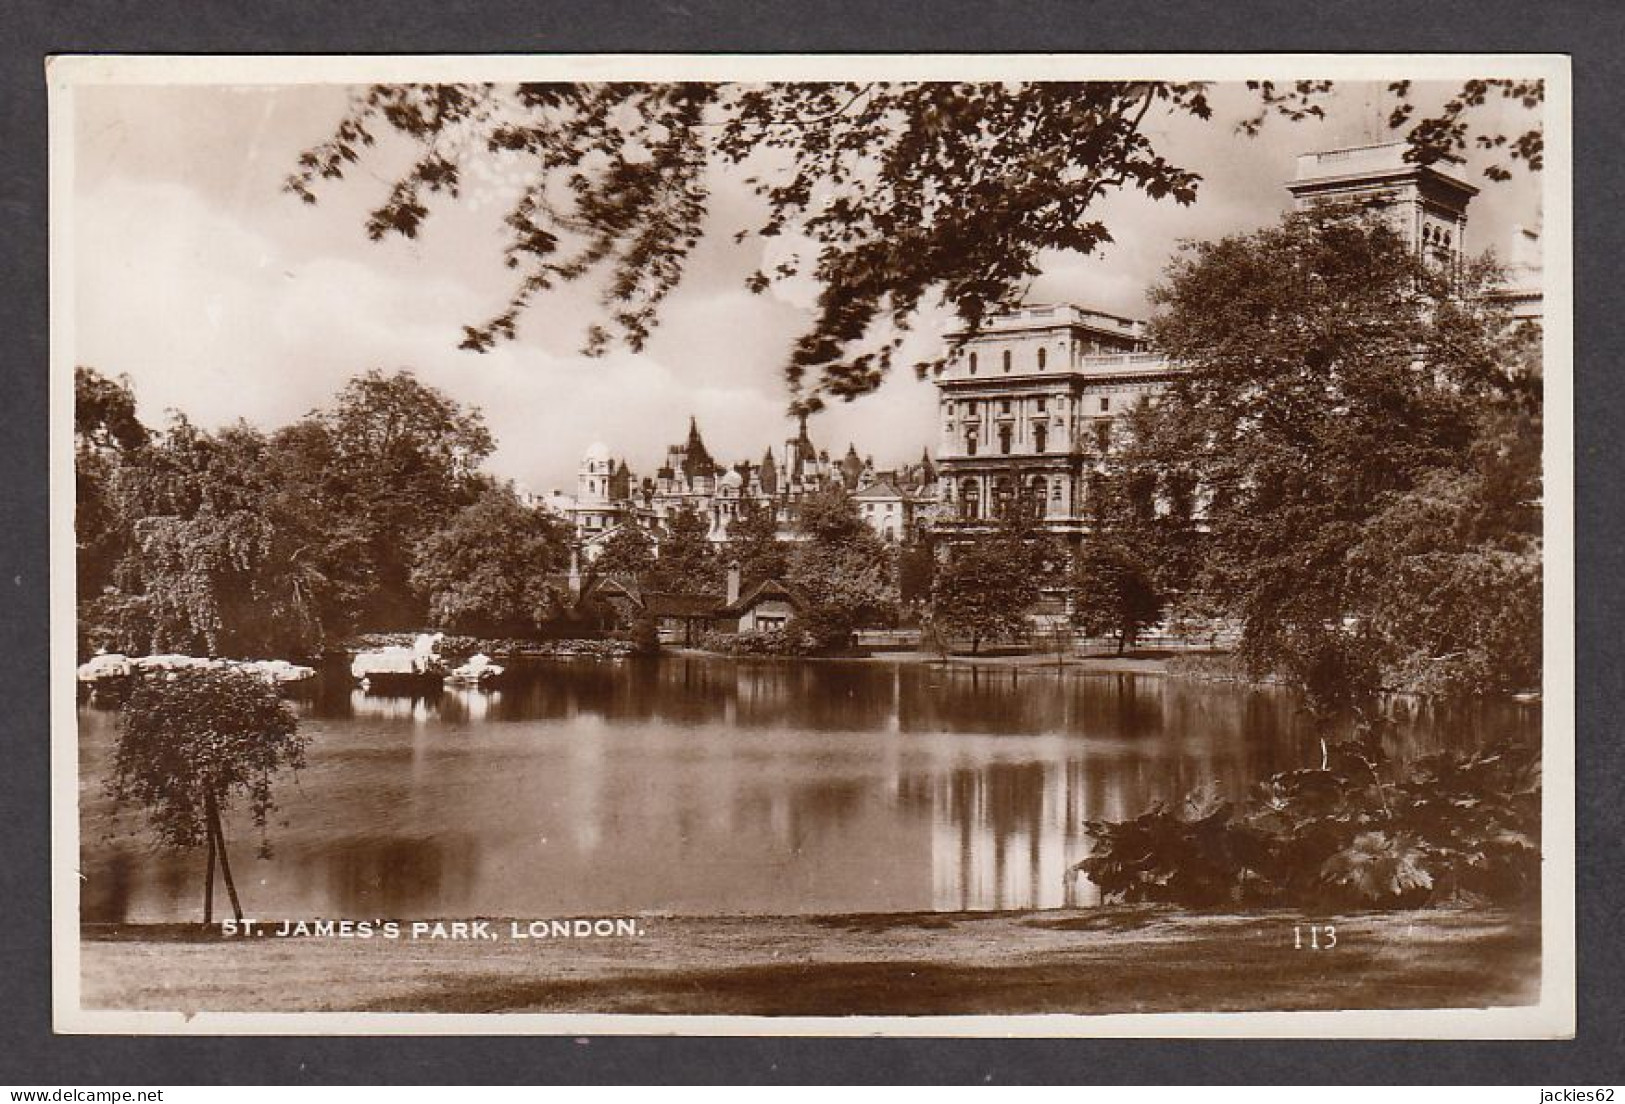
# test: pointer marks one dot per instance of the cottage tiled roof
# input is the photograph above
(609, 586)
(763, 591)
(658, 604)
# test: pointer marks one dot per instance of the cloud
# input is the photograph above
(210, 316)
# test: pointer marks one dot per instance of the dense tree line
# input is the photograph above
(1349, 466)
(369, 514)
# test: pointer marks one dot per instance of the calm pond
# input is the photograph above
(706, 786)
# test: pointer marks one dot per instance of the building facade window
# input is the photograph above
(970, 443)
(1040, 359)
(970, 500)
(1004, 440)
(1007, 360)
(1040, 437)
(1105, 404)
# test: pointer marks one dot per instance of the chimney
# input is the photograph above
(733, 582)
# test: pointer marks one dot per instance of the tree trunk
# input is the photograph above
(225, 860)
(208, 881)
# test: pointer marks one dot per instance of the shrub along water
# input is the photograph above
(1358, 830)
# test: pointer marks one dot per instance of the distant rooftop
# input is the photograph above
(1377, 160)
(1040, 315)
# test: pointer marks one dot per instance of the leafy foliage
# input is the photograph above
(788, 641)
(984, 587)
(1112, 590)
(753, 543)
(220, 553)
(486, 572)
(1450, 573)
(644, 636)
(983, 591)
(410, 455)
(1331, 373)
(916, 569)
(242, 543)
(905, 195)
(202, 735)
(842, 569)
(1357, 831)
(106, 433)
(628, 552)
(688, 563)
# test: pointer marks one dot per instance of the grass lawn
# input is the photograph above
(1125, 959)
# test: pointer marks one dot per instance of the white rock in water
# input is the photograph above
(105, 665)
(384, 661)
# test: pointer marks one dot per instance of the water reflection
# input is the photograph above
(702, 786)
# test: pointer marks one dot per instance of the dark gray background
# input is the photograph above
(1593, 32)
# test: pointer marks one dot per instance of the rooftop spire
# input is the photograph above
(696, 458)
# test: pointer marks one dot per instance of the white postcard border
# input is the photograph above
(1552, 1017)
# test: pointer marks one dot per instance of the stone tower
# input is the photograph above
(1425, 204)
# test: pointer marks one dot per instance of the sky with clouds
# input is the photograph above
(221, 295)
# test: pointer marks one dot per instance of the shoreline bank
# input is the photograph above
(1127, 665)
(1086, 961)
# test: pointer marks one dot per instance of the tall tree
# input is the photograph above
(687, 562)
(986, 587)
(916, 568)
(486, 573)
(1449, 573)
(842, 569)
(753, 543)
(233, 547)
(107, 434)
(628, 551)
(1328, 372)
(1112, 591)
(410, 455)
(906, 193)
(191, 744)
(830, 516)
(238, 543)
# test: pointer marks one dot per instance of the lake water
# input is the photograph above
(709, 786)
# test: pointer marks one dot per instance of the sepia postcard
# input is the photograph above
(1007, 545)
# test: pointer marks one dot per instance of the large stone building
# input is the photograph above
(609, 495)
(1027, 405)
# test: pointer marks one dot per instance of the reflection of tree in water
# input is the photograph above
(136, 883)
(805, 812)
(396, 876)
(995, 818)
(107, 890)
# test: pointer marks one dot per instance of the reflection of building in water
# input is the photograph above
(1005, 835)
(1001, 837)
